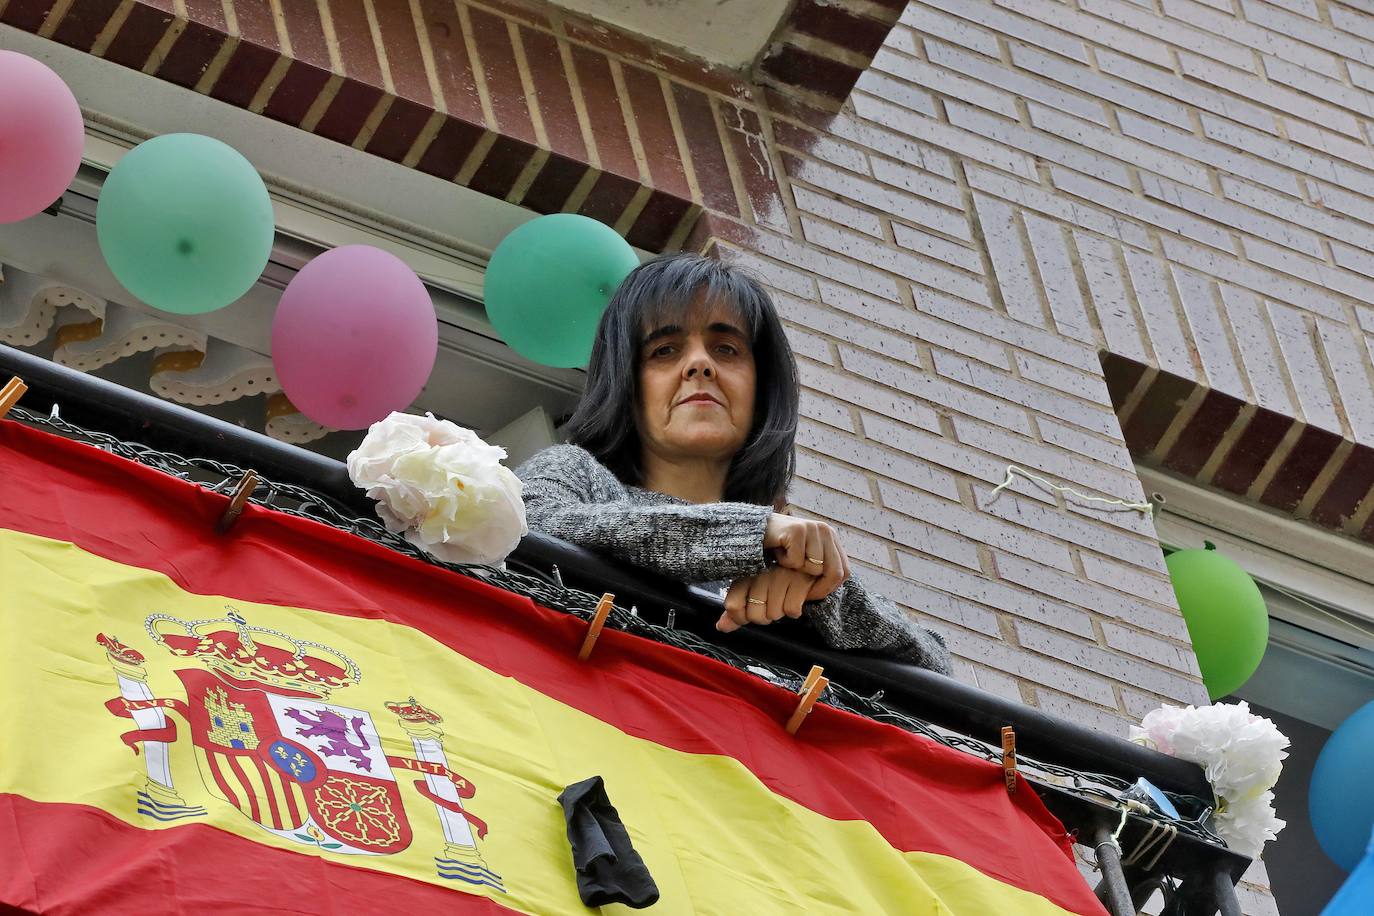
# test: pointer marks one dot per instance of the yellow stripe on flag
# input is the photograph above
(715, 839)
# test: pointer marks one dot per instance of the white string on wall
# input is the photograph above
(1012, 471)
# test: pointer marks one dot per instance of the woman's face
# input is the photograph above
(696, 386)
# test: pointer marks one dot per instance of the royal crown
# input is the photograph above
(118, 651)
(412, 711)
(234, 650)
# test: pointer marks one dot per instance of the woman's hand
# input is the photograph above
(765, 598)
(810, 547)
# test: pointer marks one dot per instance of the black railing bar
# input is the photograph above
(133, 416)
(1112, 889)
(943, 701)
(791, 647)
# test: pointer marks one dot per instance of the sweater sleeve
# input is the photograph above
(568, 494)
(853, 618)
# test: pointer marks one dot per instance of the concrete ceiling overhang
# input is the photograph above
(819, 47)
(727, 32)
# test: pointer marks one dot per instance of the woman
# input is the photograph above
(682, 449)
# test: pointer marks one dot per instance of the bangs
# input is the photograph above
(680, 297)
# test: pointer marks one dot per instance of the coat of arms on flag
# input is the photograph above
(270, 742)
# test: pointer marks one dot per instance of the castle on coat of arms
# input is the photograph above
(269, 742)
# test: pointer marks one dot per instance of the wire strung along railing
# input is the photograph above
(1136, 850)
(550, 592)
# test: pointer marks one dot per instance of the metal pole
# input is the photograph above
(1143, 884)
(1112, 890)
(1143, 890)
(1207, 892)
(1225, 890)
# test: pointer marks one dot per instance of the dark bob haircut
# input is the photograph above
(664, 291)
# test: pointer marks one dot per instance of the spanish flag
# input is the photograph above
(290, 719)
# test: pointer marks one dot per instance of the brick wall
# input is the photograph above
(1015, 189)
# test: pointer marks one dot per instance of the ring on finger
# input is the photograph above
(755, 600)
(816, 561)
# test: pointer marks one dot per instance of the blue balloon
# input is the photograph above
(1356, 896)
(1340, 800)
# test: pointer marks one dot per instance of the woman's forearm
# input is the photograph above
(852, 618)
(691, 543)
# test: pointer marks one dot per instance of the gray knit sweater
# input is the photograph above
(571, 495)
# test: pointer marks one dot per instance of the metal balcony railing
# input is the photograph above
(1080, 773)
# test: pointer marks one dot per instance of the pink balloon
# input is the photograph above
(354, 338)
(41, 136)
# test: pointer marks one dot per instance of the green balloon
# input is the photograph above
(1226, 616)
(548, 284)
(185, 223)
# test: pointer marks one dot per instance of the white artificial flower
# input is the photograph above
(1242, 755)
(1158, 727)
(442, 486)
(1247, 825)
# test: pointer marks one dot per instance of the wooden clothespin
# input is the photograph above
(1009, 757)
(811, 690)
(14, 390)
(237, 500)
(603, 610)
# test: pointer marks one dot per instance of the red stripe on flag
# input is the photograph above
(212, 759)
(918, 794)
(70, 860)
(288, 791)
(267, 780)
(254, 814)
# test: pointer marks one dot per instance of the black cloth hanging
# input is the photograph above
(608, 868)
